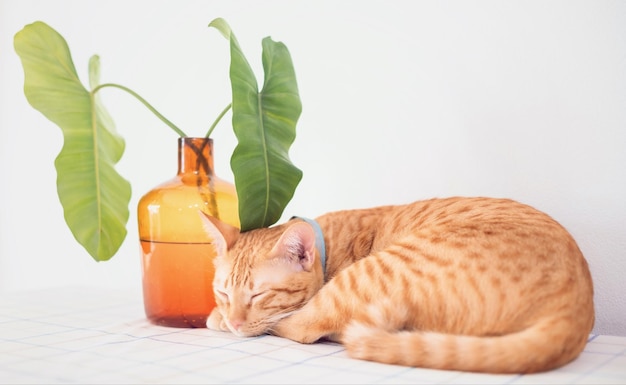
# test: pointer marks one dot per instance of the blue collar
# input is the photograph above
(319, 240)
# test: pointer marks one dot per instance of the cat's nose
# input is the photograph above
(236, 324)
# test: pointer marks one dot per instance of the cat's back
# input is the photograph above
(454, 219)
(467, 214)
(472, 221)
(476, 231)
(501, 240)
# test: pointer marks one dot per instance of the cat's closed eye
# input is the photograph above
(222, 295)
(257, 295)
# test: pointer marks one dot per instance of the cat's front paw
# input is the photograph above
(287, 328)
(216, 321)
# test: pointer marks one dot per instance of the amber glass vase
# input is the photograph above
(176, 253)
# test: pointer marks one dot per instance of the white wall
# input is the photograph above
(403, 100)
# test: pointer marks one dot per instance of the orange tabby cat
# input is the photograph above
(472, 284)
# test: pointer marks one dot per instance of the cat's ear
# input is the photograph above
(223, 234)
(297, 244)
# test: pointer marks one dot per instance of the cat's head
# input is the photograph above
(263, 275)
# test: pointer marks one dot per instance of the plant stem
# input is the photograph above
(219, 117)
(145, 103)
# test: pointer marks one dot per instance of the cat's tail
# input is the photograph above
(546, 345)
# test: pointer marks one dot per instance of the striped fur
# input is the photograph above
(472, 284)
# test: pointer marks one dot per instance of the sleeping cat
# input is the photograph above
(471, 284)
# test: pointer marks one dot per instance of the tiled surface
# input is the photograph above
(89, 336)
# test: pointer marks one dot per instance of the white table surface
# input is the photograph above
(88, 335)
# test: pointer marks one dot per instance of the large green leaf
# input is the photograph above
(94, 196)
(265, 125)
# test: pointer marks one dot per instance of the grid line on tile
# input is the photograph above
(95, 336)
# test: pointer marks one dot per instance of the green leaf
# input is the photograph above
(94, 196)
(265, 125)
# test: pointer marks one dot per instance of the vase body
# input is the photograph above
(176, 253)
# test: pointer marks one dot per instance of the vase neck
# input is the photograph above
(195, 155)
